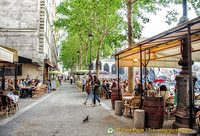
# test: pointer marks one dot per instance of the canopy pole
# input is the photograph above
(145, 66)
(118, 77)
(15, 76)
(3, 78)
(141, 76)
(191, 93)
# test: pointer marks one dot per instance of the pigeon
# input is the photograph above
(85, 120)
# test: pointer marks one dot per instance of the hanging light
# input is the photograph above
(135, 60)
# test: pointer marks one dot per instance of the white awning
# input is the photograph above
(164, 49)
(6, 55)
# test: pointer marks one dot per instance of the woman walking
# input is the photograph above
(88, 90)
(96, 91)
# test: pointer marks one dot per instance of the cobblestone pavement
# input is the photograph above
(61, 113)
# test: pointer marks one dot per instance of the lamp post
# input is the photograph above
(184, 115)
(90, 37)
(73, 69)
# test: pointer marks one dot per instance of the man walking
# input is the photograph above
(83, 83)
(71, 78)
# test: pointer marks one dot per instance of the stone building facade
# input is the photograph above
(25, 25)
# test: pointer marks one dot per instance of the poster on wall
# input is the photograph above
(53, 84)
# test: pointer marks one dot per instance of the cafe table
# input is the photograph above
(24, 92)
(126, 101)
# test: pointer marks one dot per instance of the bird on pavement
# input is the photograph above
(86, 119)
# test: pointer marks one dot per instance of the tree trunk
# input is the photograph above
(86, 56)
(130, 43)
(98, 57)
(81, 55)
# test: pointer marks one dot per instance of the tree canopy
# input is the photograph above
(106, 20)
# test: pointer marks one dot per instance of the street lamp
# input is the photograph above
(73, 68)
(90, 37)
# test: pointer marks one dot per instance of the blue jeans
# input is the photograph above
(96, 97)
(49, 88)
(92, 95)
(87, 97)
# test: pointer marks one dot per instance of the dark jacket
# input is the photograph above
(96, 86)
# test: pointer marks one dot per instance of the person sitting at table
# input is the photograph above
(137, 88)
(19, 85)
(106, 89)
(23, 82)
(164, 92)
(6, 84)
(150, 85)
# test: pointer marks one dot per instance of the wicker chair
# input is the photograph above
(104, 94)
(134, 104)
(7, 105)
(2, 92)
(169, 104)
(18, 94)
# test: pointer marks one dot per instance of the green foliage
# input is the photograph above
(105, 20)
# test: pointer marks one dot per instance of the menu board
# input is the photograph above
(53, 84)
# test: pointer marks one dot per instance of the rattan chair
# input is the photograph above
(134, 104)
(169, 104)
(2, 92)
(7, 105)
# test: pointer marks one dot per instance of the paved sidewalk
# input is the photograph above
(61, 113)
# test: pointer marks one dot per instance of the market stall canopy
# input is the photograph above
(164, 49)
(10, 52)
(55, 72)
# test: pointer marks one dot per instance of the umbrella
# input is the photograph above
(160, 80)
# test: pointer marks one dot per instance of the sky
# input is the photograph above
(157, 23)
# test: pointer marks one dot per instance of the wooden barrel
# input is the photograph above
(154, 112)
(115, 95)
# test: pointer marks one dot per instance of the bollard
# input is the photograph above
(139, 119)
(118, 108)
(186, 132)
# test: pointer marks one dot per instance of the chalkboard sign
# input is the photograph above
(53, 84)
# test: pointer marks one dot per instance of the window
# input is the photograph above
(100, 65)
(121, 70)
(114, 69)
(106, 67)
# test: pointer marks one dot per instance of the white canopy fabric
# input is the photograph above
(162, 50)
(6, 55)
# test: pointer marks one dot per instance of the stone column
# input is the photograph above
(183, 110)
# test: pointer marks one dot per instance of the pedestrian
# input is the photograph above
(71, 78)
(83, 83)
(88, 90)
(96, 91)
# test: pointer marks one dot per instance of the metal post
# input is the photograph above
(185, 8)
(118, 77)
(145, 66)
(3, 78)
(90, 58)
(191, 93)
(141, 76)
(15, 76)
